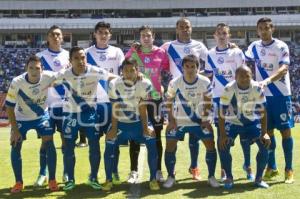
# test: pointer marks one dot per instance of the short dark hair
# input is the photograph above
(181, 20)
(223, 25)
(264, 20)
(242, 68)
(146, 27)
(32, 58)
(74, 49)
(129, 61)
(102, 24)
(53, 28)
(190, 58)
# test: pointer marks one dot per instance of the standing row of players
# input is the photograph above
(86, 94)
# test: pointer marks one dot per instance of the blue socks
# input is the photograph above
(194, 150)
(152, 156)
(170, 161)
(246, 151)
(261, 160)
(51, 158)
(116, 162)
(271, 161)
(226, 160)
(16, 161)
(287, 145)
(43, 160)
(211, 161)
(109, 158)
(94, 156)
(70, 157)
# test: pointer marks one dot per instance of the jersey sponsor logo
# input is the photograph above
(220, 60)
(102, 57)
(272, 55)
(112, 58)
(186, 50)
(262, 52)
(147, 60)
(267, 67)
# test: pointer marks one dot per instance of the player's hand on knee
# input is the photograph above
(171, 125)
(15, 137)
(207, 125)
(265, 140)
(148, 132)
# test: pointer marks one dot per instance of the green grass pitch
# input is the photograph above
(185, 188)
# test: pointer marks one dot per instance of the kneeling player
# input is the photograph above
(27, 109)
(129, 120)
(242, 112)
(192, 95)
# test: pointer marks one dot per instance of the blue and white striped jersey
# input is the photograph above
(110, 59)
(189, 99)
(222, 64)
(268, 59)
(129, 97)
(29, 99)
(177, 51)
(54, 61)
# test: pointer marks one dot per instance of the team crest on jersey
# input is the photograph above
(186, 50)
(56, 62)
(262, 52)
(35, 91)
(147, 60)
(283, 117)
(220, 60)
(244, 99)
(102, 57)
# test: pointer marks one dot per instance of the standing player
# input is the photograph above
(130, 120)
(109, 58)
(27, 109)
(176, 50)
(81, 81)
(222, 62)
(192, 94)
(271, 64)
(242, 112)
(54, 58)
(151, 61)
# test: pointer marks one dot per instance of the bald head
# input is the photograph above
(243, 69)
(243, 76)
